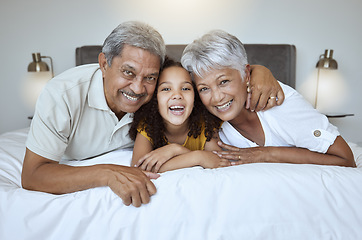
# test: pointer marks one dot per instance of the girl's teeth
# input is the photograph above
(176, 108)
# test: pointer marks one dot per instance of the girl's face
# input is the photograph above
(223, 92)
(175, 95)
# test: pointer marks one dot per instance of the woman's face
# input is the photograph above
(175, 95)
(223, 92)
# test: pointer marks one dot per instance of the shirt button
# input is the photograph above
(317, 133)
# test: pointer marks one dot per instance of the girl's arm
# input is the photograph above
(204, 158)
(338, 154)
(142, 146)
(151, 160)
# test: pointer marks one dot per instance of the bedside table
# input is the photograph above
(338, 115)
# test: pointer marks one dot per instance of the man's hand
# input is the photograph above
(45, 175)
(264, 88)
(132, 185)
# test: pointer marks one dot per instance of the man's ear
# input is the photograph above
(102, 62)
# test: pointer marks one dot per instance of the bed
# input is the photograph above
(253, 201)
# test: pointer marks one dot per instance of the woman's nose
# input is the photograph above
(217, 95)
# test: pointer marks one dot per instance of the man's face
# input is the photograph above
(131, 80)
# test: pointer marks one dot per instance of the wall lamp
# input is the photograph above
(37, 65)
(37, 76)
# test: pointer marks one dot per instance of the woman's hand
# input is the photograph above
(153, 161)
(264, 88)
(239, 156)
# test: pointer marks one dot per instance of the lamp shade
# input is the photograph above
(326, 61)
(325, 88)
(37, 76)
(37, 65)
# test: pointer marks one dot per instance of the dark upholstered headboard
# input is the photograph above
(279, 58)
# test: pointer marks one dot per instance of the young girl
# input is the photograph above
(171, 125)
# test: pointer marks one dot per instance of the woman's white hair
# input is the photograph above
(215, 50)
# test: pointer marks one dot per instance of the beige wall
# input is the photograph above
(56, 28)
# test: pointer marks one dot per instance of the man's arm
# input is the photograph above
(130, 184)
(263, 85)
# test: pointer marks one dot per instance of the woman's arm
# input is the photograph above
(338, 154)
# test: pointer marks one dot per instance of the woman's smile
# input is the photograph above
(224, 107)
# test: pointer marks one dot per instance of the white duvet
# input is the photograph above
(254, 201)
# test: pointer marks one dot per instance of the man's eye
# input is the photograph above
(128, 73)
(151, 79)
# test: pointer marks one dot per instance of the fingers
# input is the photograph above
(224, 163)
(151, 175)
(248, 99)
(227, 147)
(147, 164)
(132, 186)
(254, 99)
(272, 102)
(280, 96)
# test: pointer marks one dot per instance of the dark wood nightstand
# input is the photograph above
(338, 115)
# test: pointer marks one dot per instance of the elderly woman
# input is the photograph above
(293, 132)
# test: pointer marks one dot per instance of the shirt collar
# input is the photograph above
(96, 97)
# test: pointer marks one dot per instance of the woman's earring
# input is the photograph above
(248, 90)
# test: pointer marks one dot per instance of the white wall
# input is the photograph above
(56, 28)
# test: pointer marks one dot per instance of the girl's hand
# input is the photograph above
(239, 156)
(213, 161)
(153, 161)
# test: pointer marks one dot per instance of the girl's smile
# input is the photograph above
(175, 96)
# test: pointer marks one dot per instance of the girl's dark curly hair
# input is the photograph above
(149, 118)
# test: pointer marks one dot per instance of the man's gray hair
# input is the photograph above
(136, 34)
(215, 50)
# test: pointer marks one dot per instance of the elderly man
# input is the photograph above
(86, 111)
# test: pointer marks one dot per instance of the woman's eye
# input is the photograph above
(203, 89)
(223, 82)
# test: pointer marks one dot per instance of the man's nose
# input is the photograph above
(137, 86)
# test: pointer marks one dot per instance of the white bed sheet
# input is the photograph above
(254, 201)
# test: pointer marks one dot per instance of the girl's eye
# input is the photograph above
(186, 89)
(165, 89)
